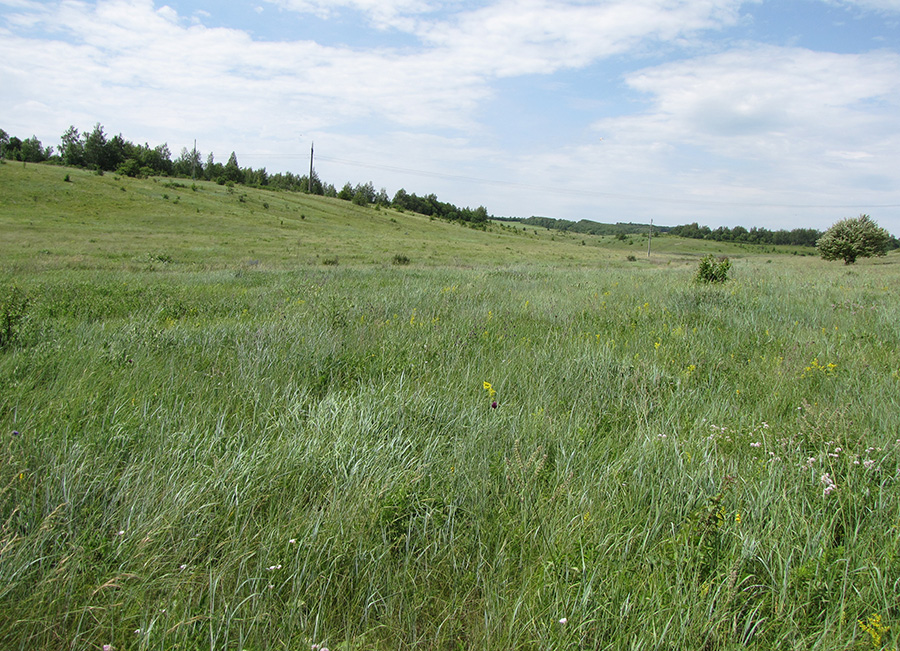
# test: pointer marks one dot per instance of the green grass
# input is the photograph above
(119, 223)
(228, 455)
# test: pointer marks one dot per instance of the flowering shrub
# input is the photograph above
(712, 270)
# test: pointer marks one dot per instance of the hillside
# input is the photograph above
(119, 222)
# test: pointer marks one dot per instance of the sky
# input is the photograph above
(775, 114)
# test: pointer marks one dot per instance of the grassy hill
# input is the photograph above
(114, 222)
(211, 436)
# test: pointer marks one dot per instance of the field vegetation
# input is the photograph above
(233, 418)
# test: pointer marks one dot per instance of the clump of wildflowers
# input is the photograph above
(874, 628)
(829, 484)
(491, 394)
(815, 368)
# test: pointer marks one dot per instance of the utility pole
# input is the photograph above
(649, 237)
(309, 183)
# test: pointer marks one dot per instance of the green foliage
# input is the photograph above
(755, 235)
(29, 150)
(13, 315)
(712, 269)
(852, 238)
(430, 205)
(232, 172)
(360, 198)
(130, 168)
(401, 259)
(585, 226)
(346, 193)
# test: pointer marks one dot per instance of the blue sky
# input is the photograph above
(760, 113)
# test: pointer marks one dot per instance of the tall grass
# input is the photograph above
(261, 459)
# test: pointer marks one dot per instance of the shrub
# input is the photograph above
(849, 239)
(631, 258)
(130, 168)
(713, 270)
(401, 259)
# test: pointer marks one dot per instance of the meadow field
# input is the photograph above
(254, 420)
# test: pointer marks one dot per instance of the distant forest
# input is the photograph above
(97, 151)
(587, 227)
(796, 237)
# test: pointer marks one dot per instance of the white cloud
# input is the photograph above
(877, 5)
(758, 126)
(126, 61)
(129, 60)
(518, 37)
(746, 137)
(383, 13)
(739, 102)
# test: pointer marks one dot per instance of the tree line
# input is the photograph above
(738, 234)
(795, 237)
(96, 150)
(587, 227)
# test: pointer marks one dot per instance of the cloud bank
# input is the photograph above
(698, 122)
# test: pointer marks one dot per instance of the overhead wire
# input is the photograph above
(588, 193)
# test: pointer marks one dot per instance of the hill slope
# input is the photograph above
(109, 221)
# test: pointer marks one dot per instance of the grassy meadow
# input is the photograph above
(229, 420)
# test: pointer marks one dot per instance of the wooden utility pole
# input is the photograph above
(309, 183)
(649, 237)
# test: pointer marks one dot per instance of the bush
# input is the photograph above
(130, 168)
(849, 239)
(713, 270)
(401, 259)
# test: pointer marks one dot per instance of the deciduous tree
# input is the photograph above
(852, 238)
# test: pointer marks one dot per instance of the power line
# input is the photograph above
(597, 193)
(589, 193)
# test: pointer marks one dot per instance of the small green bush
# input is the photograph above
(401, 259)
(713, 270)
